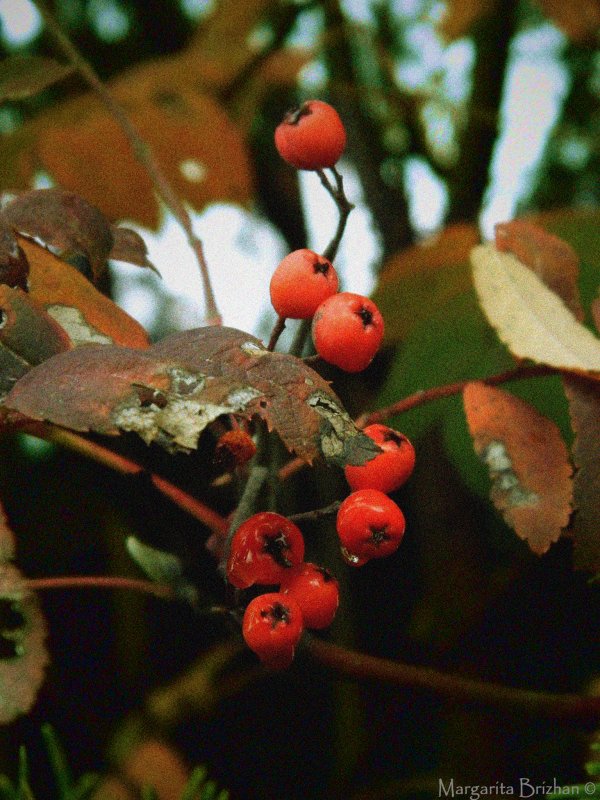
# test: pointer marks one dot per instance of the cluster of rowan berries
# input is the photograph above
(347, 328)
(268, 549)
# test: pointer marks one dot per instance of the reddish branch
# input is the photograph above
(102, 455)
(101, 582)
(450, 389)
(361, 667)
(141, 150)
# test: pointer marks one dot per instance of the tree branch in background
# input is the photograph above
(584, 710)
(141, 150)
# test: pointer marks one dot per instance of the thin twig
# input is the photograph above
(447, 390)
(317, 513)
(359, 666)
(141, 150)
(102, 455)
(101, 582)
(278, 329)
(344, 207)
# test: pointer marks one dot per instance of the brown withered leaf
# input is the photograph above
(64, 222)
(188, 133)
(528, 463)
(292, 398)
(552, 259)
(25, 76)
(156, 764)
(461, 15)
(172, 391)
(22, 668)
(81, 310)
(14, 268)
(129, 246)
(584, 409)
(529, 317)
(22, 674)
(579, 19)
(28, 336)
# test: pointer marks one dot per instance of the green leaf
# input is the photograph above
(58, 762)
(25, 76)
(194, 784)
(24, 789)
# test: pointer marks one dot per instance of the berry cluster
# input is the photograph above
(347, 328)
(268, 549)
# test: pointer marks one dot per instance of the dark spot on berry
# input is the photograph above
(295, 114)
(379, 535)
(392, 436)
(366, 316)
(150, 397)
(275, 546)
(277, 613)
(321, 267)
(263, 404)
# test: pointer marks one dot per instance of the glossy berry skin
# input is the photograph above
(300, 283)
(316, 591)
(263, 549)
(311, 136)
(272, 627)
(369, 525)
(347, 331)
(389, 469)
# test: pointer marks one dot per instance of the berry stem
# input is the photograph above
(102, 455)
(278, 329)
(141, 150)
(101, 582)
(317, 513)
(344, 207)
(584, 710)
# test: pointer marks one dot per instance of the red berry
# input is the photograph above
(234, 448)
(389, 469)
(272, 627)
(347, 330)
(300, 284)
(263, 549)
(316, 591)
(369, 525)
(311, 136)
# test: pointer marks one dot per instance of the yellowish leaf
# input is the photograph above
(530, 318)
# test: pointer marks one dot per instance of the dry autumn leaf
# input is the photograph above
(172, 391)
(528, 463)
(579, 19)
(24, 659)
(80, 309)
(28, 336)
(461, 15)
(129, 246)
(87, 152)
(64, 222)
(530, 318)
